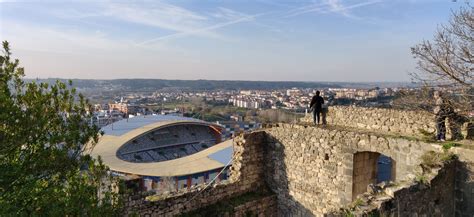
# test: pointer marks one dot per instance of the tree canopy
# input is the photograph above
(44, 138)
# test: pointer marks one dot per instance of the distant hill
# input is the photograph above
(159, 84)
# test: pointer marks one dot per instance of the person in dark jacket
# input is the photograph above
(440, 111)
(317, 106)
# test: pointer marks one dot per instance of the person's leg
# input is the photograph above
(443, 129)
(439, 122)
(314, 116)
(318, 114)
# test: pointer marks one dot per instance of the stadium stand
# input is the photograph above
(168, 143)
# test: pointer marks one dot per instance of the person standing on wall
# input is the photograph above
(317, 106)
(440, 119)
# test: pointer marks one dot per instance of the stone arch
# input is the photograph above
(370, 168)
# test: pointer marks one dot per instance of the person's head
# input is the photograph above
(437, 94)
(317, 93)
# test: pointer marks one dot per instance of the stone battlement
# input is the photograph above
(409, 123)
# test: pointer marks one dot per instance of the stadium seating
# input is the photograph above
(168, 143)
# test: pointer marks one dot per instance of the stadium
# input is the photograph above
(165, 153)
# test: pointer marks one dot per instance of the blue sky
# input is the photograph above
(320, 40)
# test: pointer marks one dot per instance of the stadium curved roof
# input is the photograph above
(119, 133)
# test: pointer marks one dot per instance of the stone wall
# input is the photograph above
(379, 119)
(437, 198)
(433, 197)
(266, 206)
(249, 204)
(246, 176)
(311, 169)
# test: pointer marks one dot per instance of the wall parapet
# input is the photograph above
(380, 119)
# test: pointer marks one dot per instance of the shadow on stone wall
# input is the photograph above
(464, 189)
(277, 179)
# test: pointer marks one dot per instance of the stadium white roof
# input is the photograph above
(125, 130)
(126, 125)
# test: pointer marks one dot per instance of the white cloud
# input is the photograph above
(151, 13)
(305, 9)
(161, 15)
(331, 6)
(181, 21)
(337, 7)
(227, 14)
(205, 29)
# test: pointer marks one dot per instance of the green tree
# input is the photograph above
(44, 140)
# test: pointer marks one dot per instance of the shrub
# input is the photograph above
(435, 159)
(421, 179)
(449, 145)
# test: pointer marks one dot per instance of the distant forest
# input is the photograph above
(158, 84)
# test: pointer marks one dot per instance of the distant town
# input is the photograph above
(236, 110)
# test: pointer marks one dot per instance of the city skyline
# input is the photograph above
(328, 40)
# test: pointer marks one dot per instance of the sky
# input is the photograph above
(320, 40)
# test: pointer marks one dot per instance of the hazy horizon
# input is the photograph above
(308, 81)
(314, 41)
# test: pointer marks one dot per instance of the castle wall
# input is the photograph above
(312, 169)
(264, 207)
(378, 119)
(246, 176)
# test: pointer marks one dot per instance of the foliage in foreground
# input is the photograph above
(43, 166)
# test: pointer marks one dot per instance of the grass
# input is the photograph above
(427, 136)
(432, 159)
(348, 213)
(422, 179)
(356, 203)
(447, 146)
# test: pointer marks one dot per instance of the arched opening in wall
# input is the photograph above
(370, 168)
